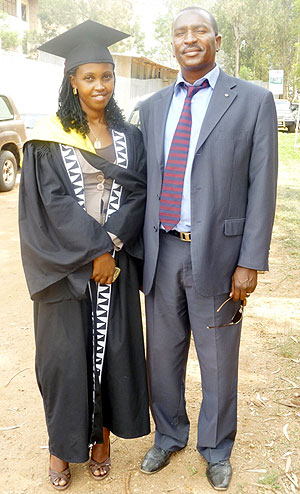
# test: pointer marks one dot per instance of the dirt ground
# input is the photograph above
(266, 457)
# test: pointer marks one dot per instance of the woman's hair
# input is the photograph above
(72, 116)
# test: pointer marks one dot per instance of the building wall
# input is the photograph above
(34, 85)
(16, 22)
(137, 76)
(122, 65)
(129, 91)
(21, 16)
(34, 23)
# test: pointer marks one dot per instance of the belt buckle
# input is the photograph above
(185, 236)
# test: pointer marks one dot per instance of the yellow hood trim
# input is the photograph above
(50, 129)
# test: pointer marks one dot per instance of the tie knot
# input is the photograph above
(192, 90)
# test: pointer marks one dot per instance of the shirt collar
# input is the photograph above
(211, 76)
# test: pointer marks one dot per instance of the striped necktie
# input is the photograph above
(171, 194)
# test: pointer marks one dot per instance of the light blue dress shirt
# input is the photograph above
(199, 105)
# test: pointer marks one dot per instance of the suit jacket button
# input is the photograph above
(155, 228)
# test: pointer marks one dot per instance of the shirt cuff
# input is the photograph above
(118, 244)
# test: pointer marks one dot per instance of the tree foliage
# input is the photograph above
(259, 36)
(256, 37)
(9, 39)
(57, 16)
(162, 52)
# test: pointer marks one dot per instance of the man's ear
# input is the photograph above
(218, 42)
(173, 51)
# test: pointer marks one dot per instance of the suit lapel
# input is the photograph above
(161, 109)
(222, 98)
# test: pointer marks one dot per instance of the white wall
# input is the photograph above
(34, 85)
(129, 91)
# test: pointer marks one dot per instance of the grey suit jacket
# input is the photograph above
(233, 182)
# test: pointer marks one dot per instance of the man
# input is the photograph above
(212, 168)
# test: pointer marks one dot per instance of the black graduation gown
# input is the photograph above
(59, 241)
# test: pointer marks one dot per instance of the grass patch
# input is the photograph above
(289, 349)
(287, 220)
(241, 489)
(270, 479)
(286, 147)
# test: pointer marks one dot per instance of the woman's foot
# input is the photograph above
(100, 463)
(59, 473)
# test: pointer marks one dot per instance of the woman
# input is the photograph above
(82, 198)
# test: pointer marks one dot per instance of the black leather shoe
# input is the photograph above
(219, 474)
(155, 460)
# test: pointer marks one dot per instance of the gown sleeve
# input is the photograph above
(59, 240)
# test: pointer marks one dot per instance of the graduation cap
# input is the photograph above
(86, 43)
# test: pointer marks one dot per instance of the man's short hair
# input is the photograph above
(197, 7)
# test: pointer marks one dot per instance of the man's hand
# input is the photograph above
(103, 269)
(243, 283)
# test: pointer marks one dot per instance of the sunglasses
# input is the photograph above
(237, 317)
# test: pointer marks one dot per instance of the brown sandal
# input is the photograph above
(96, 465)
(57, 476)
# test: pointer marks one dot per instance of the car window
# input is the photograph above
(6, 112)
(283, 105)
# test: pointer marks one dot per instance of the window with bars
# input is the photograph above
(24, 11)
(9, 6)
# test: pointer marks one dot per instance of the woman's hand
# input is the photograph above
(103, 269)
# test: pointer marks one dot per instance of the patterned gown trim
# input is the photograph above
(101, 316)
(104, 291)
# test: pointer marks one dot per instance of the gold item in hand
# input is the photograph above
(116, 274)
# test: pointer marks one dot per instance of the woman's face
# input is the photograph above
(95, 84)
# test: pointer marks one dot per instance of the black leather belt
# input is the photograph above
(184, 236)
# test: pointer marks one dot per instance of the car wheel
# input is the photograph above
(8, 171)
(292, 128)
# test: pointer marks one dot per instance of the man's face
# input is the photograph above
(195, 42)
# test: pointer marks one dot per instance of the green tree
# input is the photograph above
(246, 73)
(58, 15)
(9, 38)
(234, 17)
(259, 36)
(296, 64)
(162, 52)
(284, 41)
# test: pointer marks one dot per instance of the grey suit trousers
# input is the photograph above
(174, 309)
